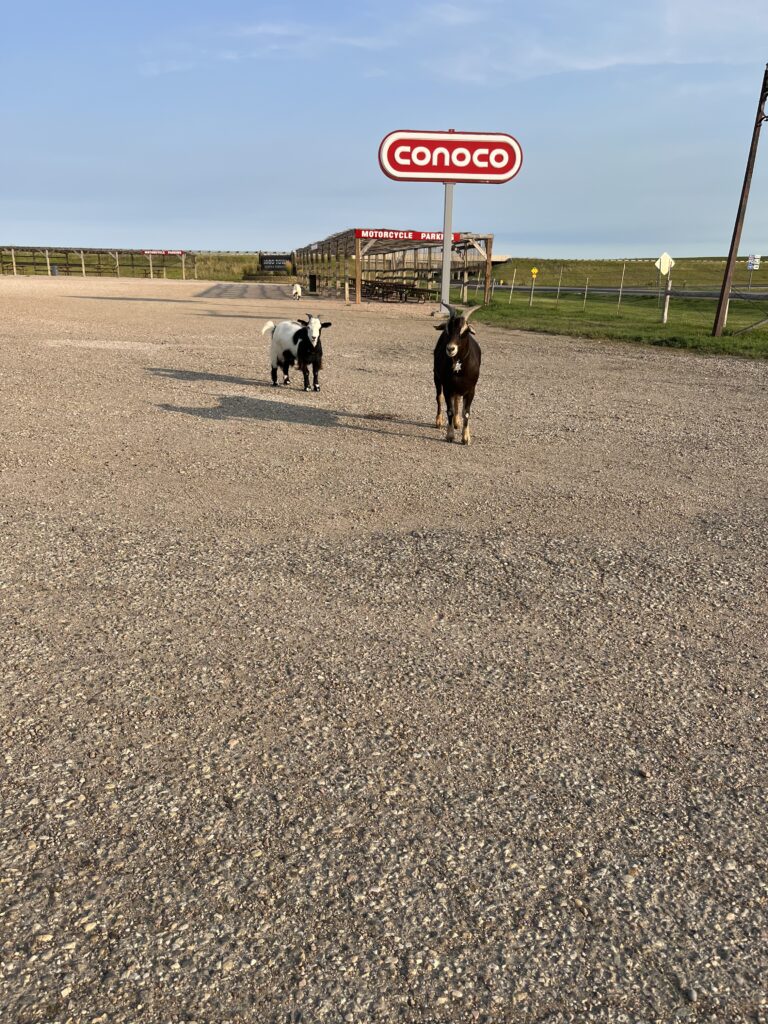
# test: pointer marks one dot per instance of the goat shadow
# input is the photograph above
(194, 375)
(265, 410)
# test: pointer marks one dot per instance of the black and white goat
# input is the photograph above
(456, 369)
(296, 341)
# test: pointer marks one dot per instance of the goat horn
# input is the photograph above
(469, 312)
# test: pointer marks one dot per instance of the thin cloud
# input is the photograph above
(155, 68)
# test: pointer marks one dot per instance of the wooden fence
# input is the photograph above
(182, 266)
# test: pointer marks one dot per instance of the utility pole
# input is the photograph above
(725, 293)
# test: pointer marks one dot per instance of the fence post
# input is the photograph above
(82, 261)
(151, 271)
(586, 292)
(13, 261)
(559, 282)
(194, 265)
(117, 264)
(48, 262)
(183, 267)
(621, 286)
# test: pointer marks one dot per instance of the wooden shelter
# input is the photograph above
(395, 264)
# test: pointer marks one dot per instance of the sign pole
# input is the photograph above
(445, 289)
(667, 293)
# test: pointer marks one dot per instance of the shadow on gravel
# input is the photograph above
(126, 298)
(221, 378)
(268, 411)
(257, 290)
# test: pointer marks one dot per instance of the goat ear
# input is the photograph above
(300, 321)
(439, 327)
(327, 324)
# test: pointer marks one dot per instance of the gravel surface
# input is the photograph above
(309, 716)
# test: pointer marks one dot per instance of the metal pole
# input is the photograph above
(445, 288)
(725, 293)
(533, 285)
(560, 281)
(512, 286)
(621, 286)
(586, 292)
(667, 293)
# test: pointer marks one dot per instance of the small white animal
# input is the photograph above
(296, 291)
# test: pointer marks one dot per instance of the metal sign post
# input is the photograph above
(445, 288)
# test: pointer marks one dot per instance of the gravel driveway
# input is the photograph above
(309, 716)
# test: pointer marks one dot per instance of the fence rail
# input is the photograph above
(188, 265)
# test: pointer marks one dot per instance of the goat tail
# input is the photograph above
(268, 326)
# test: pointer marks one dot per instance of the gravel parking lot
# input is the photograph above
(310, 716)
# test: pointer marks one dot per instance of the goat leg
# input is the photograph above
(449, 414)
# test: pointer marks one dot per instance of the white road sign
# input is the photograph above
(664, 263)
(753, 262)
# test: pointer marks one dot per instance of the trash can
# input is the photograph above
(54, 270)
(312, 287)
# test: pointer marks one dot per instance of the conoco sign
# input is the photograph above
(485, 158)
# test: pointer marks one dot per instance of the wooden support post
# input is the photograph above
(621, 286)
(48, 262)
(183, 267)
(117, 264)
(82, 261)
(358, 272)
(13, 261)
(194, 265)
(488, 269)
(721, 315)
(512, 286)
(151, 271)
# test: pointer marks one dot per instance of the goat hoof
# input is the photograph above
(275, 384)
(307, 388)
(316, 387)
(439, 421)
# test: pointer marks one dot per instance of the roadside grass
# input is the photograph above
(638, 320)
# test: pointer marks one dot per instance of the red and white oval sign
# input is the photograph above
(489, 158)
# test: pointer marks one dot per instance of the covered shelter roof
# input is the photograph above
(390, 240)
(380, 253)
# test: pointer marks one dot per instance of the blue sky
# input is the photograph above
(256, 125)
